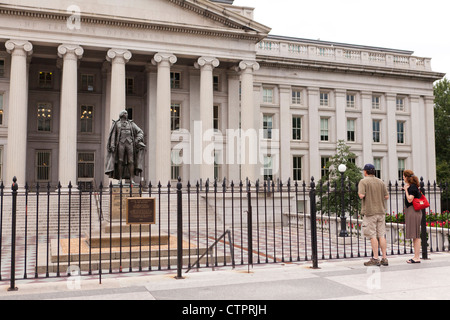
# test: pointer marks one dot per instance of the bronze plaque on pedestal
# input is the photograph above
(141, 210)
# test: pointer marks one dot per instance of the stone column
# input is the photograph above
(163, 101)
(341, 120)
(206, 66)
(414, 136)
(314, 133)
(367, 126)
(118, 59)
(285, 126)
(152, 123)
(233, 124)
(106, 97)
(392, 158)
(68, 113)
(18, 110)
(249, 123)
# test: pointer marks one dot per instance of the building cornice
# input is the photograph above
(221, 14)
(324, 66)
(233, 30)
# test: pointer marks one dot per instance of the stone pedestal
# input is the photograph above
(119, 201)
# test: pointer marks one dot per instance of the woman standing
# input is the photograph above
(413, 218)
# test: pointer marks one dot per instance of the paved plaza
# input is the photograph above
(335, 279)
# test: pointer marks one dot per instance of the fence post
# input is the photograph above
(312, 198)
(424, 225)
(14, 189)
(179, 230)
(249, 225)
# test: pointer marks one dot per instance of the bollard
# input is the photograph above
(312, 198)
(14, 189)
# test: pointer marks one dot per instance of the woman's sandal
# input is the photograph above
(412, 261)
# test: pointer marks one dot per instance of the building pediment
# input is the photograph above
(170, 15)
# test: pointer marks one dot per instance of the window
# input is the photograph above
(268, 95)
(296, 96)
(175, 80)
(45, 79)
(401, 168)
(324, 99)
(377, 165)
(400, 132)
(130, 112)
(175, 116)
(129, 83)
(216, 118)
(376, 130)
(267, 126)
(351, 101)
(324, 129)
(43, 165)
(376, 102)
(351, 130)
(268, 172)
(296, 128)
(324, 168)
(86, 118)
(1, 109)
(2, 67)
(216, 83)
(86, 166)
(400, 104)
(297, 168)
(87, 82)
(217, 165)
(44, 117)
(176, 161)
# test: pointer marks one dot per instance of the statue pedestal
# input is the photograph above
(119, 200)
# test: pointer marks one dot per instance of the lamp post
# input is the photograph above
(342, 168)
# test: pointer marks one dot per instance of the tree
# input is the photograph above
(442, 128)
(330, 186)
(442, 136)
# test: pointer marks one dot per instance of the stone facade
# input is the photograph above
(193, 73)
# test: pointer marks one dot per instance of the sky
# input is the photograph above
(413, 25)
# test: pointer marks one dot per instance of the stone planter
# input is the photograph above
(438, 237)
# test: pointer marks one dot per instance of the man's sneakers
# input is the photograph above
(376, 262)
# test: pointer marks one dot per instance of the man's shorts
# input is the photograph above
(374, 226)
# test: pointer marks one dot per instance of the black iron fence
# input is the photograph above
(48, 231)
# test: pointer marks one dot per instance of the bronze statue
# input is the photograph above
(125, 149)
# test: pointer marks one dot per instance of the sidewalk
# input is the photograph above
(336, 279)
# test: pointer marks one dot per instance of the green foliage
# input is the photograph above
(329, 188)
(442, 128)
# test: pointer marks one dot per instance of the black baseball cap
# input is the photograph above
(368, 167)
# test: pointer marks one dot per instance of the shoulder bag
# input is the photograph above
(421, 203)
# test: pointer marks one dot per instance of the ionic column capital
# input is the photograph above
(208, 62)
(118, 56)
(19, 47)
(247, 65)
(169, 58)
(70, 51)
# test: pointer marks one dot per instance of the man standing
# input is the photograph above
(373, 193)
(125, 149)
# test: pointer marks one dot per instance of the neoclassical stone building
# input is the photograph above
(216, 95)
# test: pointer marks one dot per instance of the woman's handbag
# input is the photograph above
(421, 203)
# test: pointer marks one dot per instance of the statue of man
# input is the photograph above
(125, 149)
